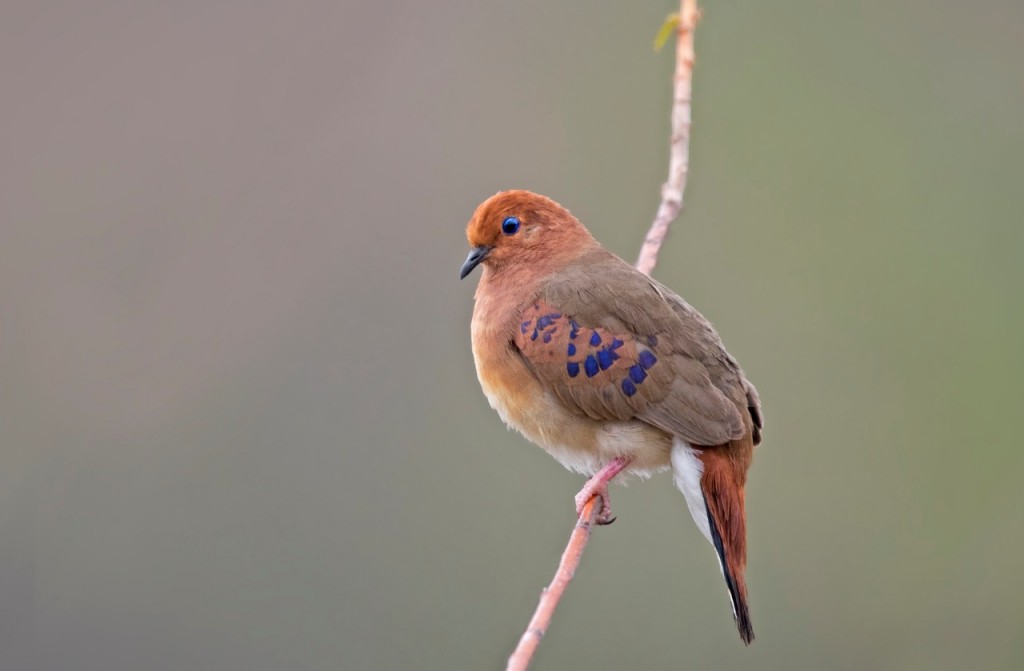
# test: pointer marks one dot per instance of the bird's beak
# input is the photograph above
(476, 255)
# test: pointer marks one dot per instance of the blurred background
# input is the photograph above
(240, 426)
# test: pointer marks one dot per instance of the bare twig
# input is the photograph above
(679, 146)
(668, 210)
(551, 594)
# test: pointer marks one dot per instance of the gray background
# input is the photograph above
(239, 422)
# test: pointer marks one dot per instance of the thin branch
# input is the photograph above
(679, 146)
(668, 210)
(551, 594)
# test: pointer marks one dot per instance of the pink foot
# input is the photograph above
(598, 486)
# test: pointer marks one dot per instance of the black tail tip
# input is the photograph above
(737, 592)
(743, 624)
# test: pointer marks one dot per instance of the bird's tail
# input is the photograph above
(712, 481)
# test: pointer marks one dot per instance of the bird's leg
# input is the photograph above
(597, 485)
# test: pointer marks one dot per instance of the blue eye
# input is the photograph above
(510, 226)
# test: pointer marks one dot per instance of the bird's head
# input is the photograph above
(522, 228)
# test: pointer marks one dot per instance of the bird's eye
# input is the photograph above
(510, 226)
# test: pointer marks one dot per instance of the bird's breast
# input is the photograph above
(578, 442)
(525, 405)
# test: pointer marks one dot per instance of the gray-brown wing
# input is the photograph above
(730, 376)
(603, 338)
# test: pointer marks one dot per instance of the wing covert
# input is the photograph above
(689, 386)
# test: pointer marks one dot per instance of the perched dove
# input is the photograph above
(610, 371)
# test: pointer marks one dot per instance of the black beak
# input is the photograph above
(476, 255)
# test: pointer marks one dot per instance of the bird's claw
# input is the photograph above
(591, 490)
(597, 485)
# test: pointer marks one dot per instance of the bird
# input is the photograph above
(610, 371)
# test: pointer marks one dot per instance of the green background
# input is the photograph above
(239, 420)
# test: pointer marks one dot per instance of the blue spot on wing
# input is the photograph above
(590, 365)
(637, 374)
(647, 359)
(573, 368)
(595, 339)
(604, 358)
(628, 388)
(547, 337)
(524, 327)
(616, 343)
(544, 322)
(534, 336)
(574, 329)
(572, 350)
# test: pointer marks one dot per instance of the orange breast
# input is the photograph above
(578, 442)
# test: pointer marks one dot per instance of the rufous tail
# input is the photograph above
(722, 485)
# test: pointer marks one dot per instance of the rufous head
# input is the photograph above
(521, 227)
